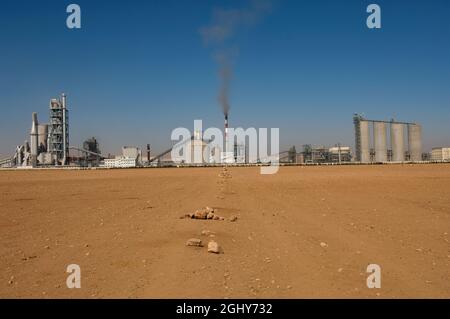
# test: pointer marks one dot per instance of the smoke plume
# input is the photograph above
(219, 35)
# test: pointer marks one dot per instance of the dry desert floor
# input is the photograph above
(305, 232)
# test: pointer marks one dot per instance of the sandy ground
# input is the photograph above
(123, 228)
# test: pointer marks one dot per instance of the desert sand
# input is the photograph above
(306, 232)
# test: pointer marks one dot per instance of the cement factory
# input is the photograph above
(49, 143)
(376, 141)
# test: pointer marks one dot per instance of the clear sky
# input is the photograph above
(138, 69)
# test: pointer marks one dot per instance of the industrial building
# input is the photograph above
(131, 157)
(310, 154)
(49, 143)
(440, 154)
(373, 148)
(339, 154)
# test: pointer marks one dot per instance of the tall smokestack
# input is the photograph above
(34, 135)
(226, 132)
(226, 125)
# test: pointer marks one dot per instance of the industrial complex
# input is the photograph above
(376, 141)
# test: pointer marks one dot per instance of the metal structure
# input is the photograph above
(59, 130)
(86, 152)
(6, 162)
(398, 151)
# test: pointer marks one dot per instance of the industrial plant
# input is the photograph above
(49, 143)
(376, 141)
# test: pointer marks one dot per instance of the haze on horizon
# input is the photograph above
(137, 70)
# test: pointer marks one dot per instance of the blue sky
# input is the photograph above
(138, 69)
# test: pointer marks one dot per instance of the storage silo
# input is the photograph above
(415, 142)
(397, 142)
(365, 141)
(42, 137)
(380, 143)
(34, 135)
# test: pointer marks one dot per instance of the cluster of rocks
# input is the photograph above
(213, 247)
(204, 213)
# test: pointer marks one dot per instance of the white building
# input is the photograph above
(120, 162)
(440, 154)
(131, 157)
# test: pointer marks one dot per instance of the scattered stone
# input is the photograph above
(47, 247)
(213, 247)
(28, 258)
(204, 213)
(233, 218)
(340, 269)
(194, 242)
(225, 173)
(200, 214)
(206, 233)
(323, 245)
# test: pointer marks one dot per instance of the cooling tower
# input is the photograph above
(380, 143)
(397, 142)
(415, 142)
